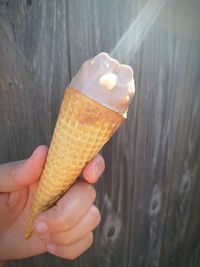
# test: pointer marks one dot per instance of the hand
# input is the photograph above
(64, 230)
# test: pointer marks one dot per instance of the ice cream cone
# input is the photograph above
(94, 106)
(82, 128)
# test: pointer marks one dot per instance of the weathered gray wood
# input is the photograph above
(149, 195)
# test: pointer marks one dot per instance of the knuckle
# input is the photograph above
(71, 256)
(64, 252)
(60, 238)
(91, 191)
(95, 215)
(68, 221)
(62, 217)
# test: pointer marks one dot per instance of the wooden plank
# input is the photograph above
(182, 216)
(34, 74)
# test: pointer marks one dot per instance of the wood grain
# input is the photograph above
(149, 195)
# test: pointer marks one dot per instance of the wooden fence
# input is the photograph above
(149, 196)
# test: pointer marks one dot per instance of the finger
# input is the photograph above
(94, 169)
(68, 211)
(72, 251)
(88, 223)
(16, 175)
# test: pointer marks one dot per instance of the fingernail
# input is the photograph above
(41, 227)
(51, 248)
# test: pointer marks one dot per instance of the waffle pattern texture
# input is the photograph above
(83, 127)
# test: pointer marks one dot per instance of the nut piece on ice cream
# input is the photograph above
(109, 80)
(94, 106)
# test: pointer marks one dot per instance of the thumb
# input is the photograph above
(16, 175)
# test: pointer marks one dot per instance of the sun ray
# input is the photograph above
(135, 34)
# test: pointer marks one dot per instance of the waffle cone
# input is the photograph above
(82, 128)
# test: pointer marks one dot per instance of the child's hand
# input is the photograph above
(64, 230)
